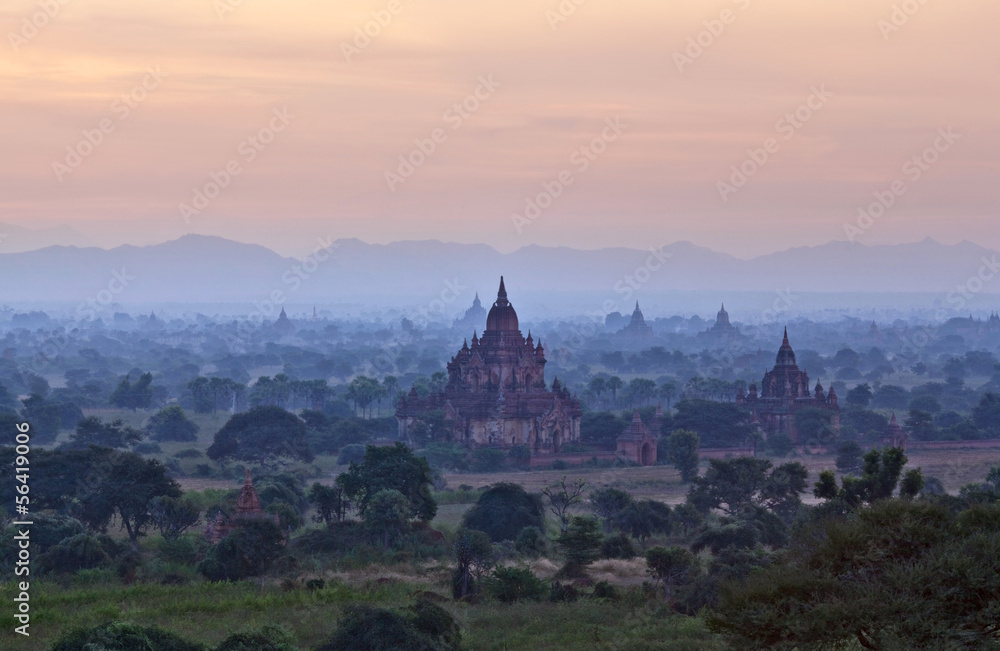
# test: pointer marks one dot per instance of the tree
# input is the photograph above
(363, 391)
(668, 391)
(849, 456)
(641, 390)
(247, 551)
(986, 414)
(897, 575)
(171, 424)
(201, 394)
(503, 510)
(879, 477)
(133, 396)
(860, 396)
(93, 431)
(125, 489)
(43, 416)
(173, 516)
(597, 386)
(718, 424)
(670, 567)
(391, 467)
(815, 425)
(602, 428)
(614, 384)
(387, 515)
(473, 551)
(644, 519)
(736, 484)
(562, 497)
(921, 425)
(682, 451)
(608, 503)
(580, 545)
(264, 435)
(331, 503)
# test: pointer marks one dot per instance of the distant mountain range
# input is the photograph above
(201, 269)
(15, 239)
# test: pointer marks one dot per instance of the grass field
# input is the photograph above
(210, 612)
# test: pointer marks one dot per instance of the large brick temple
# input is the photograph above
(496, 393)
(784, 391)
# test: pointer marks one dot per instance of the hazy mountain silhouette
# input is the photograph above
(198, 268)
(15, 239)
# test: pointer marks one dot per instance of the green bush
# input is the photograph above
(247, 551)
(488, 460)
(531, 542)
(123, 636)
(619, 546)
(510, 584)
(428, 628)
(79, 552)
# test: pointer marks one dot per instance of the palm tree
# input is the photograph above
(614, 383)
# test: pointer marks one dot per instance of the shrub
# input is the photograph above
(247, 551)
(531, 542)
(559, 592)
(488, 460)
(79, 552)
(604, 590)
(124, 635)
(429, 628)
(510, 584)
(619, 546)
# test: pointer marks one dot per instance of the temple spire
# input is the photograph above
(502, 292)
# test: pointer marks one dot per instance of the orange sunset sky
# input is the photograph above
(894, 75)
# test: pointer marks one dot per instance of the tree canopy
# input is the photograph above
(503, 510)
(264, 435)
(391, 468)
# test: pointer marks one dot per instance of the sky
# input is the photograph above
(581, 123)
